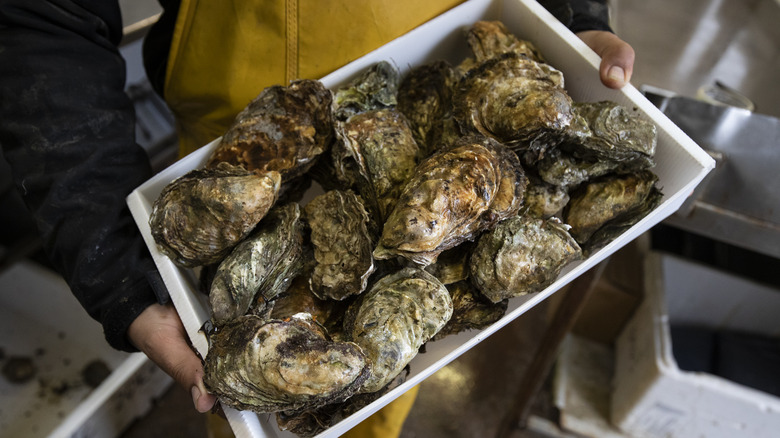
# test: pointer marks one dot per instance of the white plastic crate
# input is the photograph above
(681, 165)
(42, 321)
(652, 396)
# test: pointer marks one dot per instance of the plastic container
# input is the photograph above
(681, 165)
(45, 327)
(652, 396)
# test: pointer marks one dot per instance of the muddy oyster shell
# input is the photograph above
(521, 255)
(200, 217)
(471, 310)
(488, 39)
(277, 365)
(543, 200)
(425, 98)
(375, 88)
(384, 152)
(615, 140)
(515, 100)
(452, 265)
(298, 298)
(602, 209)
(260, 267)
(453, 195)
(284, 129)
(342, 244)
(394, 318)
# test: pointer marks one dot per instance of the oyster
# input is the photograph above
(315, 421)
(342, 244)
(515, 100)
(394, 319)
(284, 129)
(384, 152)
(260, 267)
(488, 39)
(453, 195)
(298, 298)
(452, 265)
(425, 98)
(273, 366)
(614, 140)
(602, 209)
(375, 88)
(199, 217)
(521, 255)
(471, 310)
(543, 200)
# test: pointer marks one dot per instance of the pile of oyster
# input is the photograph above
(445, 193)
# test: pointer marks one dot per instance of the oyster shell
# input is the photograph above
(375, 88)
(342, 244)
(260, 267)
(515, 100)
(284, 129)
(298, 298)
(384, 152)
(543, 200)
(521, 255)
(453, 195)
(488, 39)
(198, 218)
(273, 366)
(425, 98)
(471, 310)
(602, 209)
(452, 265)
(394, 319)
(315, 421)
(615, 140)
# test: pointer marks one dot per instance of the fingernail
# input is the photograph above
(616, 73)
(195, 395)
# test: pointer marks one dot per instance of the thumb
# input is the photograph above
(617, 57)
(159, 333)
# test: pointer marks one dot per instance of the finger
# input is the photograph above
(159, 333)
(617, 57)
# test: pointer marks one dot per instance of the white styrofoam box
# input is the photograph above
(681, 165)
(41, 320)
(652, 397)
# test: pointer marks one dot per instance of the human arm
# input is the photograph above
(67, 130)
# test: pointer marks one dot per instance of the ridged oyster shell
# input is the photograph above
(521, 255)
(384, 152)
(198, 218)
(394, 319)
(453, 195)
(425, 98)
(604, 208)
(284, 129)
(260, 267)
(342, 244)
(281, 365)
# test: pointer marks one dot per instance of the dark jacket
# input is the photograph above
(67, 130)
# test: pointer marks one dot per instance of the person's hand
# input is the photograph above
(617, 56)
(159, 333)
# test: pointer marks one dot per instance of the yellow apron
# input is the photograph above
(225, 52)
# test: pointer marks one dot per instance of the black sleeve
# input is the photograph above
(67, 130)
(580, 15)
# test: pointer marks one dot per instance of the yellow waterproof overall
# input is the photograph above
(225, 52)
